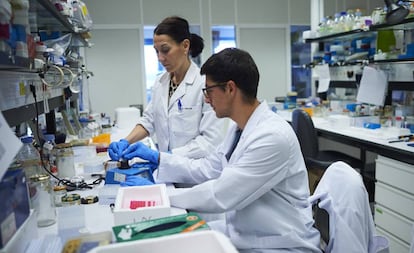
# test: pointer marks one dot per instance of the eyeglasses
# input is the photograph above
(206, 90)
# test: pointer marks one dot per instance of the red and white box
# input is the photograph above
(139, 203)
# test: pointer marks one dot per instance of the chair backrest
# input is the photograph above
(341, 192)
(306, 133)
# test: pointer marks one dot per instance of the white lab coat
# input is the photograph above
(191, 128)
(261, 189)
(342, 194)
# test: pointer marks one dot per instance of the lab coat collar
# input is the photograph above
(251, 124)
(250, 127)
(189, 79)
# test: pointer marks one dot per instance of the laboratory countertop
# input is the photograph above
(338, 127)
(96, 217)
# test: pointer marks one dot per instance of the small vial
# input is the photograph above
(398, 122)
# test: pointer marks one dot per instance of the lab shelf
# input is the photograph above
(18, 115)
(47, 18)
(16, 63)
(349, 35)
(50, 19)
(406, 24)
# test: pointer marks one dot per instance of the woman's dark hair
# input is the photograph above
(237, 65)
(178, 29)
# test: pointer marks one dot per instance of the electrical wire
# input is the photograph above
(61, 181)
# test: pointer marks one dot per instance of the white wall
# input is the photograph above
(262, 28)
(117, 55)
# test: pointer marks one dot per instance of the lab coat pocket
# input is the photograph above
(187, 120)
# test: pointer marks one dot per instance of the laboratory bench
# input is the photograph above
(72, 221)
(393, 173)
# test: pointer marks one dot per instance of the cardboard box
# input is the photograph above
(204, 241)
(159, 227)
(152, 200)
(15, 201)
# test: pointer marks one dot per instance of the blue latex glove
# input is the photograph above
(141, 150)
(116, 148)
(135, 180)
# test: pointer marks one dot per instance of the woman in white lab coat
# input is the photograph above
(177, 116)
(260, 181)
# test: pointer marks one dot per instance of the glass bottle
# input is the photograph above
(43, 201)
(65, 160)
(59, 192)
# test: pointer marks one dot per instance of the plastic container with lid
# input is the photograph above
(71, 199)
(65, 160)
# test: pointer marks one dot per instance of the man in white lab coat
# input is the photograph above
(259, 181)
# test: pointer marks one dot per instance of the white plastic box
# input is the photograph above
(21, 239)
(206, 241)
(155, 194)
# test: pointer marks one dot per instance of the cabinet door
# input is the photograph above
(273, 62)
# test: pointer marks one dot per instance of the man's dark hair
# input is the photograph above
(234, 64)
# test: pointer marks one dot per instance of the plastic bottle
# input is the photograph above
(336, 27)
(343, 22)
(358, 22)
(29, 158)
(349, 20)
(330, 24)
(49, 157)
(38, 183)
(47, 150)
(323, 27)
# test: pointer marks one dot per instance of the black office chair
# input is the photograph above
(321, 217)
(314, 158)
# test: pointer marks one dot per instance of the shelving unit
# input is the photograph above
(9, 62)
(405, 25)
(50, 18)
(394, 191)
(47, 18)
